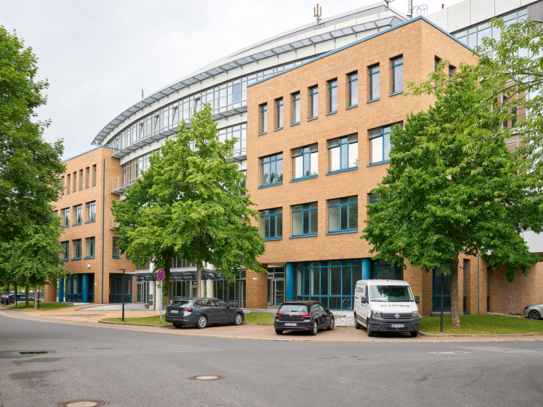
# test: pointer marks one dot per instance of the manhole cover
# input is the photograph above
(207, 377)
(83, 403)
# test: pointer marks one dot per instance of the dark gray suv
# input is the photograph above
(202, 312)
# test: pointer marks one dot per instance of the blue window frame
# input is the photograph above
(343, 215)
(77, 249)
(374, 82)
(116, 289)
(397, 75)
(343, 153)
(305, 162)
(116, 251)
(353, 89)
(271, 224)
(329, 282)
(381, 270)
(305, 220)
(438, 278)
(279, 114)
(313, 102)
(380, 144)
(296, 108)
(65, 251)
(91, 212)
(263, 118)
(271, 170)
(65, 217)
(78, 215)
(332, 96)
(90, 249)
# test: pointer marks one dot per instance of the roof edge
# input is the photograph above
(86, 152)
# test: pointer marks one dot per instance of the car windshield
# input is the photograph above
(293, 308)
(180, 303)
(390, 293)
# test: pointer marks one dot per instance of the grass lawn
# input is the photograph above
(482, 324)
(259, 318)
(251, 318)
(44, 306)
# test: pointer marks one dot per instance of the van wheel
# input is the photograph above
(368, 330)
(414, 334)
(356, 323)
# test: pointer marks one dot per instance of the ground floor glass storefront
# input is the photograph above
(231, 293)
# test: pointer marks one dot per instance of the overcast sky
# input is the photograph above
(98, 55)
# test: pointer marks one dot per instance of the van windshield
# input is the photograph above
(391, 293)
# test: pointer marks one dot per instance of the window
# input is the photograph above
(65, 217)
(94, 175)
(271, 224)
(90, 248)
(80, 180)
(332, 96)
(263, 118)
(451, 71)
(374, 82)
(373, 198)
(343, 215)
(296, 108)
(271, 170)
(381, 270)
(88, 178)
(279, 114)
(397, 75)
(353, 89)
(314, 102)
(239, 132)
(179, 262)
(91, 212)
(63, 185)
(65, 250)
(305, 162)
(305, 220)
(75, 182)
(77, 249)
(343, 153)
(78, 215)
(116, 251)
(380, 144)
(68, 183)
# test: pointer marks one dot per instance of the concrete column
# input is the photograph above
(85, 288)
(158, 296)
(60, 290)
(289, 281)
(366, 269)
(209, 288)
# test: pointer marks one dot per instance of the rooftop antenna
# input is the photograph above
(421, 10)
(317, 13)
(388, 3)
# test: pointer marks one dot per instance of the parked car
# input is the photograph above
(386, 306)
(20, 298)
(309, 316)
(202, 312)
(533, 312)
(4, 297)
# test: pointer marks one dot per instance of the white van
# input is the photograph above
(386, 306)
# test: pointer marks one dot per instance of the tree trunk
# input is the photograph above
(455, 315)
(35, 296)
(199, 279)
(27, 293)
(166, 292)
(7, 289)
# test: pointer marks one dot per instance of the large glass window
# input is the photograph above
(382, 270)
(179, 262)
(91, 211)
(77, 249)
(65, 251)
(90, 243)
(343, 215)
(380, 143)
(271, 224)
(263, 118)
(397, 75)
(65, 217)
(296, 108)
(78, 215)
(353, 89)
(374, 82)
(239, 132)
(305, 162)
(314, 102)
(279, 114)
(329, 282)
(332, 96)
(134, 169)
(343, 153)
(271, 170)
(305, 220)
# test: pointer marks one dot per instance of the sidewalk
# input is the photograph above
(245, 331)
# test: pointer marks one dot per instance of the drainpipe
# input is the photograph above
(103, 221)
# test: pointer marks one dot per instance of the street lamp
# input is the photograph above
(122, 291)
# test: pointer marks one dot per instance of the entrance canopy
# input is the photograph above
(179, 275)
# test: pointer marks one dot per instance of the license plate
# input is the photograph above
(397, 326)
(290, 324)
(174, 311)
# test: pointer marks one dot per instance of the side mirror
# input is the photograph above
(363, 300)
(417, 299)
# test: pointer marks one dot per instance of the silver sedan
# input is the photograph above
(533, 311)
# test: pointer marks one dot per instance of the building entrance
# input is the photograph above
(276, 287)
(142, 291)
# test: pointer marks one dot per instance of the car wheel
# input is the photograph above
(202, 322)
(177, 325)
(369, 330)
(414, 334)
(279, 332)
(356, 323)
(238, 319)
(315, 329)
(332, 324)
(534, 315)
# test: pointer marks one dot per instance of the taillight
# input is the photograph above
(187, 309)
(305, 315)
(278, 314)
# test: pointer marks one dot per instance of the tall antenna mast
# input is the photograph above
(422, 9)
(317, 13)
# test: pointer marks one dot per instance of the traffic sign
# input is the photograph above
(160, 274)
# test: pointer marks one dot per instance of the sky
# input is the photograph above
(98, 55)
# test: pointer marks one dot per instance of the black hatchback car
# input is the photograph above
(309, 316)
(202, 312)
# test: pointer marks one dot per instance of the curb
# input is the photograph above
(128, 323)
(478, 335)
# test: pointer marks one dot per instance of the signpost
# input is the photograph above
(160, 275)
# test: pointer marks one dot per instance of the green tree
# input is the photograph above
(191, 203)
(30, 167)
(451, 188)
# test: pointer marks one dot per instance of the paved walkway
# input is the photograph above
(245, 331)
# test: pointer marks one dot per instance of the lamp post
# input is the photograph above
(122, 291)
(15, 291)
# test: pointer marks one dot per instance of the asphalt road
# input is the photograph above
(129, 368)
